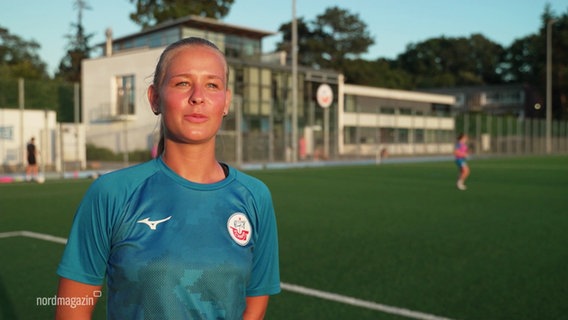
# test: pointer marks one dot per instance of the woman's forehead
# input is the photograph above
(204, 57)
(198, 52)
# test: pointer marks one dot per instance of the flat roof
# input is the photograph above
(398, 94)
(202, 23)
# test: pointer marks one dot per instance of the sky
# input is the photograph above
(393, 24)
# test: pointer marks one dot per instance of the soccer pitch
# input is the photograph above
(393, 241)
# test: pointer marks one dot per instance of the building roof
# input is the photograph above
(399, 94)
(202, 23)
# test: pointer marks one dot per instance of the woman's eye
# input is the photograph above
(213, 85)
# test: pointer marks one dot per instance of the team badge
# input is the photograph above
(239, 228)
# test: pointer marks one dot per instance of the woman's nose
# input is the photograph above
(196, 96)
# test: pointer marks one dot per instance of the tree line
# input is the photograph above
(336, 40)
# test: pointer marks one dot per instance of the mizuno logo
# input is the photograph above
(153, 224)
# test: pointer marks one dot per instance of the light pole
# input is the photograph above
(294, 84)
(549, 86)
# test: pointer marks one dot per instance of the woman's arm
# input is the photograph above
(81, 297)
(256, 308)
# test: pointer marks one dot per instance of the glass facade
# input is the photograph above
(234, 46)
(151, 40)
(125, 95)
(262, 101)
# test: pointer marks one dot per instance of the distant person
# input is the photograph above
(302, 148)
(182, 236)
(461, 154)
(32, 167)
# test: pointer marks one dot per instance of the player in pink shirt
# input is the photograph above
(460, 152)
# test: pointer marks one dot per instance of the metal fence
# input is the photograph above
(511, 135)
(239, 142)
(489, 135)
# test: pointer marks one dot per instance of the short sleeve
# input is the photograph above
(88, 246)
(265, 276)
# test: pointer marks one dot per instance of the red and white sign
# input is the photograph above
(324, 95)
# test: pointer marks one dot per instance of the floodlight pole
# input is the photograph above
(294, 50)
(549, 86)
(21, 103)
(76, 120)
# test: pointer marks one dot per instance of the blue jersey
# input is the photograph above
(173, 249)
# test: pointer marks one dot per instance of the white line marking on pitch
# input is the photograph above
(35, 235)
(286, 286)
(360, 303)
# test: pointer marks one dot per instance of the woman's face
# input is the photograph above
(193, 97)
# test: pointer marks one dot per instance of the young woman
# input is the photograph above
(460, 153)
(182, 236)
(31, 168)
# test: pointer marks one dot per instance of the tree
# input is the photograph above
(19, 57)
(378, 73)
(78, 48)
(445, 62)
(330, 40)
(341, 36)
(306, 54)
(151, 12)
(526, 62)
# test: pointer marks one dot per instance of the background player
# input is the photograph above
(461, 154)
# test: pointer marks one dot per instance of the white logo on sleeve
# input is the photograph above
(239, 228)
(153, 224)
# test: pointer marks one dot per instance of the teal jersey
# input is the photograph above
(174, 249)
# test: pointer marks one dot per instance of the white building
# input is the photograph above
(260, 126)
(398, 121)
(61, 146)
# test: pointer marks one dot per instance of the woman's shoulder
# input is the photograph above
(249, 181)
(128, 177)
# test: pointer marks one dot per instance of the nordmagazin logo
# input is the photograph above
(72, 302)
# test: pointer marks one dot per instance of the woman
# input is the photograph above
(182, 236)
(461, 153)
(31, 169)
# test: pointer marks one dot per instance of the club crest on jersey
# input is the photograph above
(239, 228)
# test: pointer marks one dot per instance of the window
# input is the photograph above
(505, 97)
(350, 103)
(388, 135)
(125, 91)
(402, 135)
(419, 135)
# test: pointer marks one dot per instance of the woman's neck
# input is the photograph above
(196, 163)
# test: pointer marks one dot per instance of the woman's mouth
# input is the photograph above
(195, 118)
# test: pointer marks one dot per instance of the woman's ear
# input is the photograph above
(228, 98)
(154, 100)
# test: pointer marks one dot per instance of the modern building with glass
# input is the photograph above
(265, 123)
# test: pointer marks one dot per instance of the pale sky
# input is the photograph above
(393, 23)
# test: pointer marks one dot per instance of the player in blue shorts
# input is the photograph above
(461, 153)
(181, 236)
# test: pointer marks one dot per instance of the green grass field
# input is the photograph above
(398, 235)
